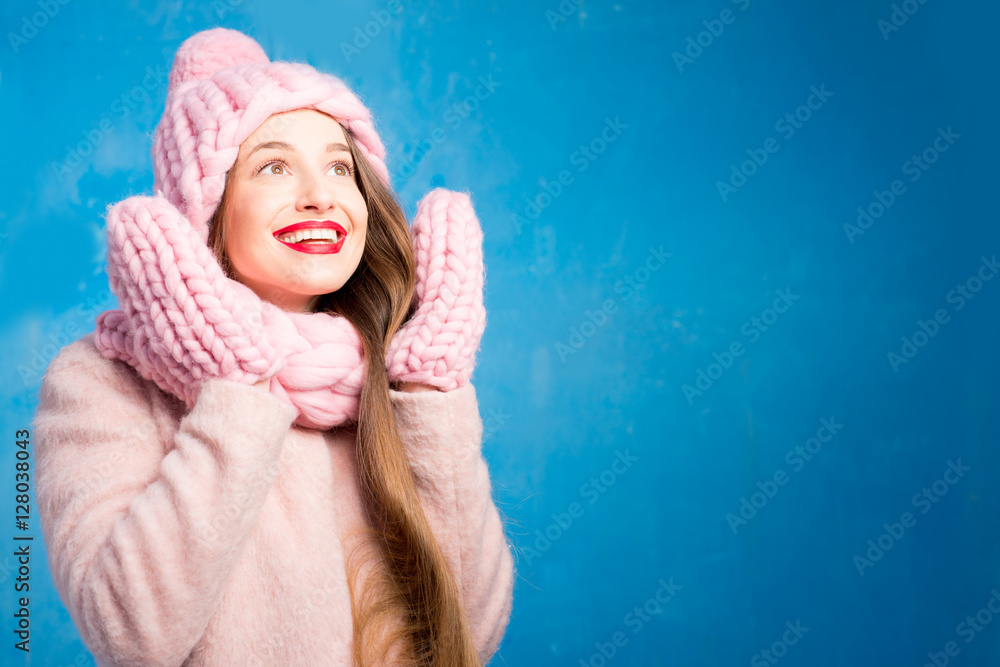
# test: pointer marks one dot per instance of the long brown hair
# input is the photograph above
(411, 586)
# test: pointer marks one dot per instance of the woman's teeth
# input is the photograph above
(318, 235)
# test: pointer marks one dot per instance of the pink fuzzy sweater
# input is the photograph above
(213, 536)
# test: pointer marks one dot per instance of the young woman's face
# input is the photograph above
(295, 168)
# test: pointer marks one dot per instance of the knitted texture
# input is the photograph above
(438, 345)
(182, 320)
(222, 87)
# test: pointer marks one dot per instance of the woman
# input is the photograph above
(223, 478)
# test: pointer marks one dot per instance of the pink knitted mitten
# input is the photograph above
(438, 345)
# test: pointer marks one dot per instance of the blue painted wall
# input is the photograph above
(704, 423)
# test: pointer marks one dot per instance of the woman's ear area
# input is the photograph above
(217, 223)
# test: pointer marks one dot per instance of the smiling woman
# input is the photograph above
(301, 477)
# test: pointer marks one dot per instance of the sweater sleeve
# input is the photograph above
(442, 436)
(142, 528)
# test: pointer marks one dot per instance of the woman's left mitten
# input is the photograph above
(438, 344)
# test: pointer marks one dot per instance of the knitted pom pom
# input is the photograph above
(205, 53)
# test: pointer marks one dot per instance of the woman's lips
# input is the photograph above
(314, 247)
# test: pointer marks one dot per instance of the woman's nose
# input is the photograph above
(316, 195)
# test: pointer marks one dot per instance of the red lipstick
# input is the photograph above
(313, 247)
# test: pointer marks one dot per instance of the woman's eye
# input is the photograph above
(270, 166)
(342, 169)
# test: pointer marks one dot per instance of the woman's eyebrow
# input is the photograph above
(271, 144)
(330, 148)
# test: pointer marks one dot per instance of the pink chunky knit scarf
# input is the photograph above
(182, 320)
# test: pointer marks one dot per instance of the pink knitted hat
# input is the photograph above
(222, 88)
